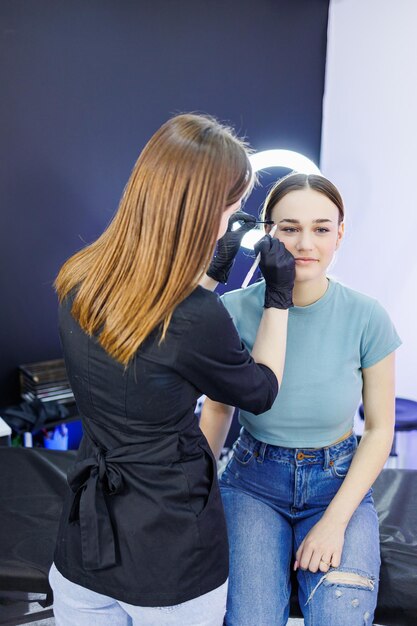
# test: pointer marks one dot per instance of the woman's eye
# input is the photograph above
(291, 229)
(288, 229)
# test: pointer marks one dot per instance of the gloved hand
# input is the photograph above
(228, 246)
(278, 268)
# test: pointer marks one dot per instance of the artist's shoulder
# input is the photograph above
(199, 304)
(65, 305)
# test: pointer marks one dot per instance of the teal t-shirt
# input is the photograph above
(328, 344)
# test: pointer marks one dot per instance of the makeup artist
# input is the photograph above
(142, 538)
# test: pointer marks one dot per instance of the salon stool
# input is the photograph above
(405, 418)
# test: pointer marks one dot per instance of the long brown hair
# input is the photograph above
(154, 251)
(296, 181)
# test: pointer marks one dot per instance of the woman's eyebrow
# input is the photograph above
(292, 221)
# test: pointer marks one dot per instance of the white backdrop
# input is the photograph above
(369, 151)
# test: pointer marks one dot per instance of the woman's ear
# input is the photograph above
(340, 234)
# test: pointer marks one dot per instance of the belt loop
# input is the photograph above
(326, 458)
(261, 452)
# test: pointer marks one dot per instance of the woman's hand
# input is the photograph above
(228, 246)
(277, 265)
(322, 547)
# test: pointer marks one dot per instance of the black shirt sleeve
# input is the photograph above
(211, 355)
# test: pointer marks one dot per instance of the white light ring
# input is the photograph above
(283, 158)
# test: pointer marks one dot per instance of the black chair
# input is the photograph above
(31, 492)
(32, 485)
(405, 420)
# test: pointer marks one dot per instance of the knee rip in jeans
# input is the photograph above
(352, 580)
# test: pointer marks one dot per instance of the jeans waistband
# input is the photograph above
(299, 456)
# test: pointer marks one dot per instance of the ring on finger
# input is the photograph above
(325, 562)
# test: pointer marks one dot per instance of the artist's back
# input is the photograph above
(157, 391)
(143, 521)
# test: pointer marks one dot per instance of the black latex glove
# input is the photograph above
(278, 268)
(228, 246)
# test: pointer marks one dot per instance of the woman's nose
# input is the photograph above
(304, 242)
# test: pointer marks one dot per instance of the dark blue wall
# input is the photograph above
(86, 83)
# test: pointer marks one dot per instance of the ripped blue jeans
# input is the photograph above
(272, 497)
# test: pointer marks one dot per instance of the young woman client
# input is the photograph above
(297, 488)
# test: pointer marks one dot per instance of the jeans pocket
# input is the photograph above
(241, 453)
(341, 465)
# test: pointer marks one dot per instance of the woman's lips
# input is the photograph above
(305, 260)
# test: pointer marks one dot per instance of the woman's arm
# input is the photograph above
(215, 422)
(208, 283)
(325, 540)
(269, 349)
(271, 341)
(215, 360)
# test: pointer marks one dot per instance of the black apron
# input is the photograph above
(148, 512)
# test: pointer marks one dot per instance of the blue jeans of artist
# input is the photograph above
(77, 606)
(272, 497)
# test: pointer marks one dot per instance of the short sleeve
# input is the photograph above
(380, 337)
(229, 304)
(214, 359)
